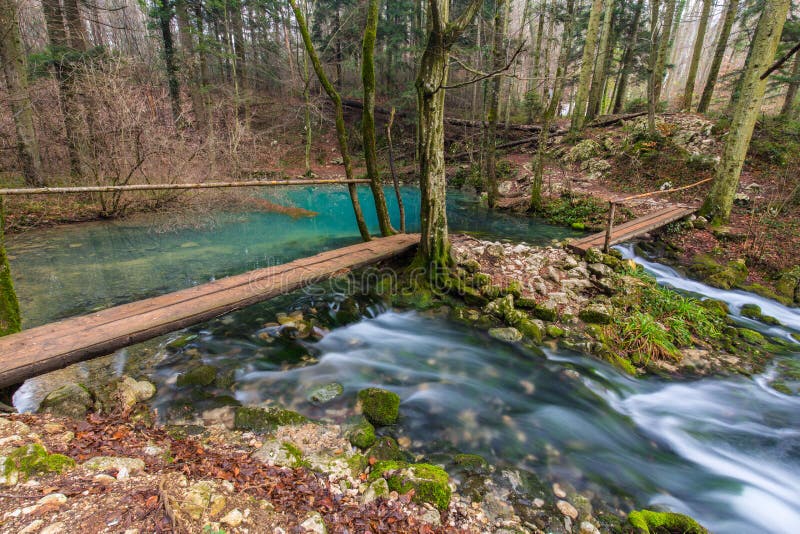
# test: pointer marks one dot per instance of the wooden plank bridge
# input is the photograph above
(56, 345)
(634, 228)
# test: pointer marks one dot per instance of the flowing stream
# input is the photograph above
(724, 450)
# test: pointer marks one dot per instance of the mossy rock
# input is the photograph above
(649, 522)
(471, 462)
(751, 336)
(514, 288)
(507, 334)
(717, 308)
(580, 226)
(545, 314)
(324, 393)
(492, 292)
(381, 407)
(181, 342)
(473, 297)
(480, 280)
(431, 484)
(265, 419)
(471, 266)
(593, 255)
(713, 273)
(753, 311)
(70, 400)
(788, 284)
(360, 432)
(28, 460)
(524, 303)
(202, 375)
(767, 293)
(386, 448)
(554, 332)
(595, 314)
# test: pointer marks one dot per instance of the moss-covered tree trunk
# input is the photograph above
(537, 51)
(719, 202)
(791, 91)
(10, 321)
(434, 249)
(15, 68)
(552, 108)
(587, 66)
(719, 55)
(368, 119)
(341, 128)
(603, 57)
(627, 58)
(493, 102)
(688, 92)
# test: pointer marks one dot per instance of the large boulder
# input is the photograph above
(70, 400)
(585, 150)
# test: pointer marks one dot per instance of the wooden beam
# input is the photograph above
(56, 345)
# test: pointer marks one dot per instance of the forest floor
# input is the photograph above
(618, 162)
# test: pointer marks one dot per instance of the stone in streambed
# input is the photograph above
(381, 407)
(507, 334)
(265, 419)
(360, 432)
(70, 400)
(202, 375)
(649, 522)
(325, 393)
(753, 311)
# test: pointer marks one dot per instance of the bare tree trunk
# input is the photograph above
(719, 202)
(493, 102)
(652, 62)
(663, 49)
(165, 22)
(587, 66)
(190, 63)
(434, 249)
(603, 56)
(341, 128)
(537, 51)
(368, 118)
(719, 54)
(10, 321)
(627, 58)
(15, 68)
(537, 201)
(791, 91)
(688, 93)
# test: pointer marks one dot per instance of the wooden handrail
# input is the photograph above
(160, 187)
(612, 207)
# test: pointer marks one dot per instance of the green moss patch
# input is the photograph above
(649, 522)
(266, 419)
(361, 433)
(381, 407)
(28, 460)
(431, 484)
(202, 375)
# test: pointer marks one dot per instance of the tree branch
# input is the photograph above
(455, 28)
(778, 64)
(484, 76)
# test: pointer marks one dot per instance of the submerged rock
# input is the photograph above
(202, 375)
(325, 393)
(381, 407)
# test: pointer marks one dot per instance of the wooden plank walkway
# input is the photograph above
(56, 345)
(634, 228)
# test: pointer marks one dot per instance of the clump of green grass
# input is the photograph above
(657, 322)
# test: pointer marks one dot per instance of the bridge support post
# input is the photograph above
(612, 211)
